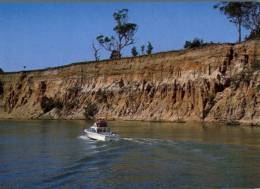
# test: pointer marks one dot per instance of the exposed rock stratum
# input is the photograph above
(211, 83)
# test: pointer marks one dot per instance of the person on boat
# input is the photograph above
(101, 123)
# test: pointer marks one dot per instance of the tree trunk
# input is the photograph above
(239, 32)
(115, 55)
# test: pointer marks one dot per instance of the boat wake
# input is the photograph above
(84, 137)
(148, 141)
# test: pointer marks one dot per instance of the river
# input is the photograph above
(56, 154)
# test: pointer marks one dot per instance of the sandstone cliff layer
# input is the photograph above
(212, 83)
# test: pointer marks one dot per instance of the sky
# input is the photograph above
(41, 35)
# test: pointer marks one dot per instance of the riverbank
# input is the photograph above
(215, 83)
(181, 122)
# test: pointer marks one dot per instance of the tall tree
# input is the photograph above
(149, 48)
(124, 34)
(235, 12)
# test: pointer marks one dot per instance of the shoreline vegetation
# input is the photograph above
(203, 123)
(206, 123)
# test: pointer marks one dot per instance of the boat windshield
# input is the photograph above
(92, 130)
(103, 130)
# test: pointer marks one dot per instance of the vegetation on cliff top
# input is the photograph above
(242, 14)
(1, 88)
(124, 34)
(246, 14)
(134, 51)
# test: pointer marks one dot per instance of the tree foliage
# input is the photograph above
(246, 14)
(251, 20)
(142, 49)
(196, 42)
(254, 34)
(235, 13)
(134, 51)
(1, 70)
(149, 48)
(124, 34)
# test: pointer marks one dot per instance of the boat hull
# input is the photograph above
(101, 137)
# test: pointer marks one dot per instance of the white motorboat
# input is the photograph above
(100, 131)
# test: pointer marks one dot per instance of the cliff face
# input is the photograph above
(213, 83)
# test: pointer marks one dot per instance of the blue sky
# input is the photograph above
(44, 35)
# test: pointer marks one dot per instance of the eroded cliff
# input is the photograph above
(212, 83)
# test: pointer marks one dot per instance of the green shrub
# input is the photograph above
(90, 110)
(196, 42)
(47, 104)
(74, 90)
(101, 96)
(1, 88)
(244, 76)
(134, 52)
(149, 48)
(71, 104)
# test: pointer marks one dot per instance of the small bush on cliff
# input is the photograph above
(196, 42)
(90, 110)
(134, 52)
(74, 90)
(47, 104)
(71, 103)
(142, 49)
(242, 77)
(58, 104)
(1, 88)
(101, 96)
(149, 48)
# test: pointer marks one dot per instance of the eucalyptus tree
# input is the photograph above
(123, 37)
(235, 12)
(251, 20)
